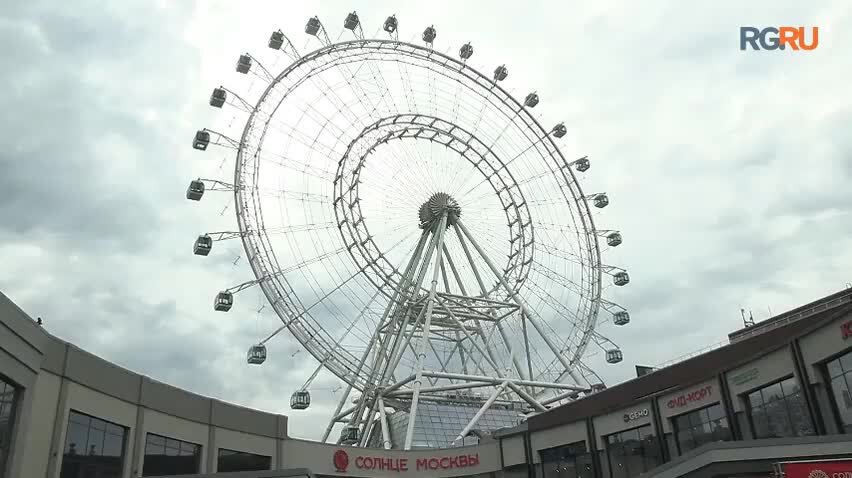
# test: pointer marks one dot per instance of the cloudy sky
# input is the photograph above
(728, 171)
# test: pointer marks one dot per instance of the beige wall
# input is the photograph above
(822, 344)
(556, 436)
(319, 458)
(40, 430)
(513, 450)
(765, 370)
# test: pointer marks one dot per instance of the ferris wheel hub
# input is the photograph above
(435, 207)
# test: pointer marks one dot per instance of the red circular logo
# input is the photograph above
(341, 460)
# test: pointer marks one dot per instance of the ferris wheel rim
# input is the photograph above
(263, 247)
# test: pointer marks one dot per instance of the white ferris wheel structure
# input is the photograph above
(414, 227)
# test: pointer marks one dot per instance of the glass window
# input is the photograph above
(701, 426)
(168, 456)
(840, 374)
(567, 461)
(632, 452)
(230, 460)
(778, 410)
(8, 401)
(93, 447)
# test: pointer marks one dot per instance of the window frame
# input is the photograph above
(13, 421)
(198, 453)
(219, 451)
(676, 430)
(608, 442)
(842, 428)
(123, 456)
(576, 459)
(785, 400)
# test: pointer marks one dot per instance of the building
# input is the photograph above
(779, 392)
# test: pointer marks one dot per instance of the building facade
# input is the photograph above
(780, 391)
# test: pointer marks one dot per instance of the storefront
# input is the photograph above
(828, 352)
(694, 416)
(628, 441)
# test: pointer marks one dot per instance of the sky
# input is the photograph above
(728, 171)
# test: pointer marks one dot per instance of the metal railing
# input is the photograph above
(784, 319)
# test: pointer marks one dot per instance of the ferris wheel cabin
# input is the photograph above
(582, 164)
(620, 278)
(313, 26)
(613, 239)
(466, 51)
(195, 190)
(202, 139)
(560, 130)
(601, 200)
(224, 301)
(349, 435)
(256, 354)
(500, 73)
(351, 22)
(614, 356)
(531, 100)
(244, 64)
(203, 245)
(217, 98)
(276, 40)
(300, 400)
(621, 318)
(429, 34)
(390, 24)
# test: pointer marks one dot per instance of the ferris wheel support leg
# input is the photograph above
(410, 269)
(485, 406)
(421, 346)
(484, 291)
(370, 422)
(553, 348)
(386, 439)
(334, 416)
(464, 292)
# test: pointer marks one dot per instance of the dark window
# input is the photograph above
(778, 410)
(230, 460)
(8, 400)
(632, 452)
(840, 374)
(93, 447)
(701, 426)
(567, 461)
(167, 456)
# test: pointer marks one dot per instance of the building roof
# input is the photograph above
(683, 374)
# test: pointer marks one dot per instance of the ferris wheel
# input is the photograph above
(414, 227)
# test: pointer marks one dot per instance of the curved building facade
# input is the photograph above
(779, 392)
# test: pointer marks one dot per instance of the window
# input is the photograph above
(840, 376)
(8, 399)
(632, 452)
(230, 460)
(568, 461)
(167, 456)
(701, 426)
(93, 447)
(778, 410)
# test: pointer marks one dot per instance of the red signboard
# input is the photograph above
(444, 462)
(818, 469)
(846, 329)
(688, 398)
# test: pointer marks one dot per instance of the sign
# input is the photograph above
(629, 417)
(367, 462)
(690, 397)
(745, 376)
(818, 469)
(780, 38)
(846, 329)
